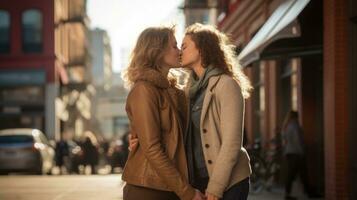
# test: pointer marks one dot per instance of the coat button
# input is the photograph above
(207, 145)
(209, 161)
(204, 130)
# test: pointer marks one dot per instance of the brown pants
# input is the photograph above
(132, 192)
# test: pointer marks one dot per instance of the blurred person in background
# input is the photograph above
(294, 153)
(91, 154)
(62, 153)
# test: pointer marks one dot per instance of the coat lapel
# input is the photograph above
(208, 96)
(206, 102)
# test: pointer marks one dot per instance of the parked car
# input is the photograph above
(25, 150)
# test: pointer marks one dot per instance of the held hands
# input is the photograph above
(211, 197)
(199, 196)
(208, 196)
(133, 142)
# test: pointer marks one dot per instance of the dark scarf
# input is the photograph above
(197, 84)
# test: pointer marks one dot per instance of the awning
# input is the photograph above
(281, 24)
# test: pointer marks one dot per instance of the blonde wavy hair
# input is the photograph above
(148, 52)
(216, 49)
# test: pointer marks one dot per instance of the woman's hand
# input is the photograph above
(133, 142)
(199, 196)
(211, 196)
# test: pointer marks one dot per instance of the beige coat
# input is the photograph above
(221, 126)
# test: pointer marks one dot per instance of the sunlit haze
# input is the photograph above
(125, 19)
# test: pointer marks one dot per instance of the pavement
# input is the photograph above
(90, 187)
(65, 187)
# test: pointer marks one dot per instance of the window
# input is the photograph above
(289, 85)
(258, 99)
(32, 31)
(197, 2)
(4, 32)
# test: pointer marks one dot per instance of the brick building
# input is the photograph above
(300, 55)
(43, 65)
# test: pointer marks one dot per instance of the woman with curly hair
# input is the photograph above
(218, 163)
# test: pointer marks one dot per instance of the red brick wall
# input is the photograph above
(271, 100)
(335, 99)
(16, 58)
(272, 93)
(311, 118)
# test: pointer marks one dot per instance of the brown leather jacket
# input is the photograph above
(159, 162)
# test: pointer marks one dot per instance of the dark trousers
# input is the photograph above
(238, 191)
(132, 192)
(295, 166)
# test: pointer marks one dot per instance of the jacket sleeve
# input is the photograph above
(231, 125)
(145, 116)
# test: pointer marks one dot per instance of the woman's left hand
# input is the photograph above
(211, 196)
(133, 142)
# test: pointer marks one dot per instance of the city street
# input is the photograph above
(79, 187)
(272, 87)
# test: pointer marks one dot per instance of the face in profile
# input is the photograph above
(189, 53)
(172, 54)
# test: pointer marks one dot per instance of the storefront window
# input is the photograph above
(288, 86)
(294, 79)
(26, 94)
(32, 31)
(4, 32)
(198, 2)
(258, 99)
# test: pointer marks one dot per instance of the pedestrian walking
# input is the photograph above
(62, 153)
(91, 154)
(294, 153)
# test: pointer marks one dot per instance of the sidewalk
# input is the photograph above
(277, 193)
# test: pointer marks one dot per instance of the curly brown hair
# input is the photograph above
(216, 49)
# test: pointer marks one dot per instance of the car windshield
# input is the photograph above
(13, 139)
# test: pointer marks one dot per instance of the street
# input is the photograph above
(108, 187)
(79, 187)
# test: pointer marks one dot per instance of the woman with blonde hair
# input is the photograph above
(156, 169)
(218, 163)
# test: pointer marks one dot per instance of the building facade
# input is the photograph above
(110, 111)
(102, 61)
(109, 100)
(202, 11)
(43, 59)
(299, 56)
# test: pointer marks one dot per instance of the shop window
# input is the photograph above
(288, 86)
(4, 32)
(258, 98)
(32, 24)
